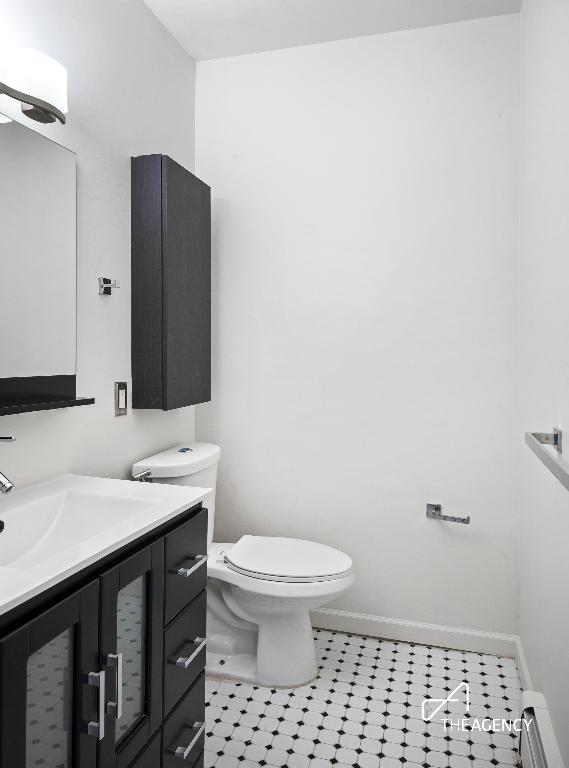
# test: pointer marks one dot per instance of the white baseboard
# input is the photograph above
(523, 669)
(417, 632)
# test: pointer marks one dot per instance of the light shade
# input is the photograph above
(36, 80)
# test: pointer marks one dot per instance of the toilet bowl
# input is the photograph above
(261, 589)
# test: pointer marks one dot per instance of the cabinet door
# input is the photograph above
(186, 285)
(131, 617)
(50, 687)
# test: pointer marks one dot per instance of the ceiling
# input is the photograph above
(211, 29)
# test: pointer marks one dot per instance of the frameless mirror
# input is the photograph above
(38, 257)
(37, 238)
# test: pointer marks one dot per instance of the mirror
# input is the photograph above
(38, 257)
(37, 239)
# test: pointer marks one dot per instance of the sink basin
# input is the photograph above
(48, 527)
(56, 528)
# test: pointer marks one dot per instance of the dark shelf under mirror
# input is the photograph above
(39, 393)
(47, 405)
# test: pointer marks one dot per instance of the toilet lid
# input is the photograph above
(280, 559)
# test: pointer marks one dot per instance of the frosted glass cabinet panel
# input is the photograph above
(49, 710)
(131, 642)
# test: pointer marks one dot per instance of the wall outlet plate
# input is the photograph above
(121, 392)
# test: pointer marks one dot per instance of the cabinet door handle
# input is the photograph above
(94, 728)
(185, 662)
(185, 572)
(114, 661)
(183, 752)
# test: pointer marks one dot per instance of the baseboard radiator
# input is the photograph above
(538, 745)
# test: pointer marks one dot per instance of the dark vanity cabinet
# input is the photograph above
(110, 672)
(171, 285)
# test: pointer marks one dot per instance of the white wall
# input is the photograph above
(131, 91)
(365, 235)
(544, 334)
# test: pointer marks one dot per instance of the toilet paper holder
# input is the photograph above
(435, 512)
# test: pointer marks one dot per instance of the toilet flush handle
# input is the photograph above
(186, 572)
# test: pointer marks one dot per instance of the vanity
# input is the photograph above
(102, 624)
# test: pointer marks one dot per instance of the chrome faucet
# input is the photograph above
(5, 484)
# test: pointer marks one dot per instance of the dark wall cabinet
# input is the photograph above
(103, 678)
(171, 285)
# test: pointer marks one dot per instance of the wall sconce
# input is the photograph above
(37, 81)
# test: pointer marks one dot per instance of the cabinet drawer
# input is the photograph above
(150, 757)
(184, 731)
(183, 661)
(186, 577)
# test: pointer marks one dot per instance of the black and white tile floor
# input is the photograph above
(364, 709)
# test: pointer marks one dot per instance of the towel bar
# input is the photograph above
(538, 442)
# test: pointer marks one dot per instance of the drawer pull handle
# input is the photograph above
(97, 680)
(114, 661)
(186, 572)
(184, 662)
(183, 752)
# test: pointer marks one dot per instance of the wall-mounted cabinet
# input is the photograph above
(171, 285)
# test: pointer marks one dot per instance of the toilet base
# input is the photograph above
(268, 649)
(281, 652)
(286, 656)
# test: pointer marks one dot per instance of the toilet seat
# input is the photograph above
(273, 558)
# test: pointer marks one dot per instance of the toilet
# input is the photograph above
(260, 590)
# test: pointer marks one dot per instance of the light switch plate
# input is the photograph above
(121, 392)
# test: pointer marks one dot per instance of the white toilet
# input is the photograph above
(260, 590)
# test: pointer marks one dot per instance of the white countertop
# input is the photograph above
(56, 528)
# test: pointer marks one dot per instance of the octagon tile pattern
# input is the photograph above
(365, 710)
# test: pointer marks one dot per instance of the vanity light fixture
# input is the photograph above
(35, 80)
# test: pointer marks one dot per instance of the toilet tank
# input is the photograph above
(192, 464)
